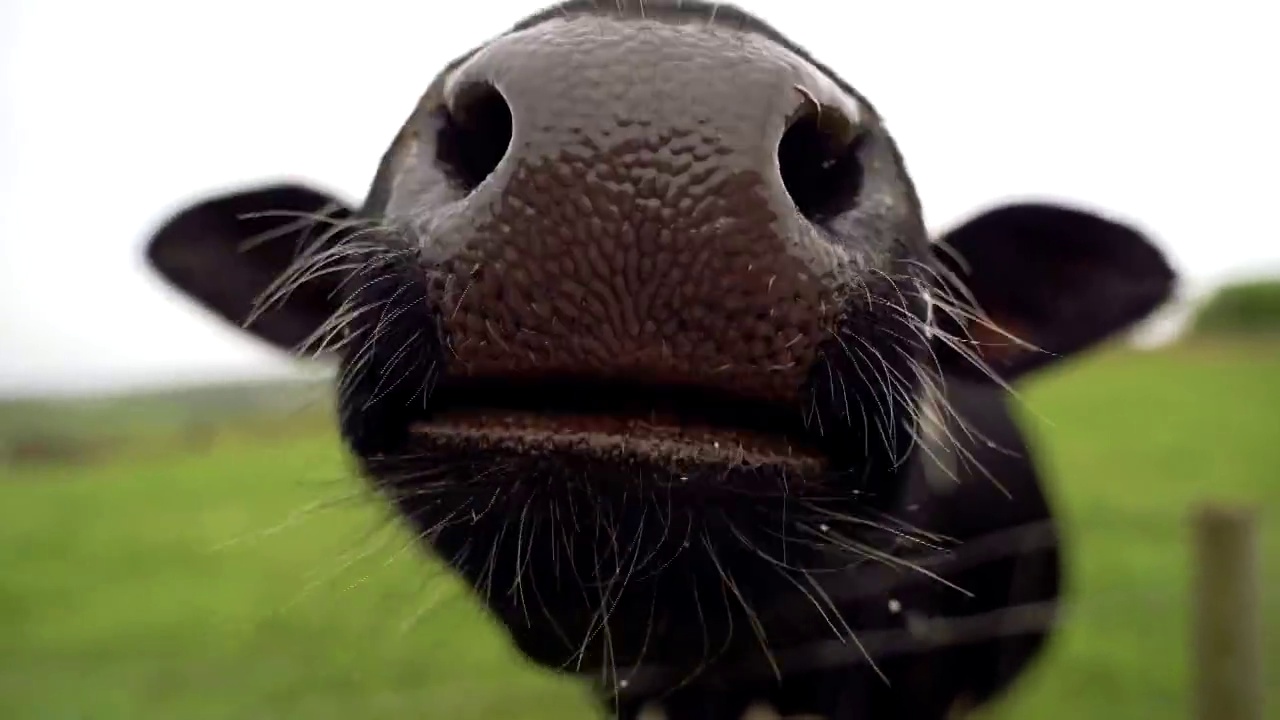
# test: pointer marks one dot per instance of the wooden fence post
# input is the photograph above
(1227, 637)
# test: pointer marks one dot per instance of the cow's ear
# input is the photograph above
(1030, 284)
(230, 251)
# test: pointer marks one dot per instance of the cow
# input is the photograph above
(640, 328)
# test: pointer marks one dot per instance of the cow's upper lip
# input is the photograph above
(671, 425)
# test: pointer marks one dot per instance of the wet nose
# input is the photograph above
(643, 202)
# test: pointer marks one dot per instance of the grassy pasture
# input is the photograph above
(249, 577)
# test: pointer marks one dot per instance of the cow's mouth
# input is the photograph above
(684, 430)
(544, 493)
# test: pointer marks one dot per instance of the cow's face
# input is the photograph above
(639, 325)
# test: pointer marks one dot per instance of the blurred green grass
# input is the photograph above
(254, 578)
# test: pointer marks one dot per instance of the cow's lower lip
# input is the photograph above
(661, 440)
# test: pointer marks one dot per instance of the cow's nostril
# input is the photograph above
(475, 131)
(819, 162)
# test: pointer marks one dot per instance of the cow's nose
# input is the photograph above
(644, 202)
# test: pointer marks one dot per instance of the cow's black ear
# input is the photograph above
(1029, 284)
(227, 251)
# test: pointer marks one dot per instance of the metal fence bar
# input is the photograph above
(1227, 634)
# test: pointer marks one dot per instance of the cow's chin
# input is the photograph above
(614, 541)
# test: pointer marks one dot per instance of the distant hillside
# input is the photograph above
(1241, 308)
(172, 410)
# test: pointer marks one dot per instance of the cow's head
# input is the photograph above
(639, 321)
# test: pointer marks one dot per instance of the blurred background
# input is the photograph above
(180, 534)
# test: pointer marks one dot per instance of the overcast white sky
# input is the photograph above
(111, 113)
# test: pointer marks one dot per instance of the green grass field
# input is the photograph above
(254, 579)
